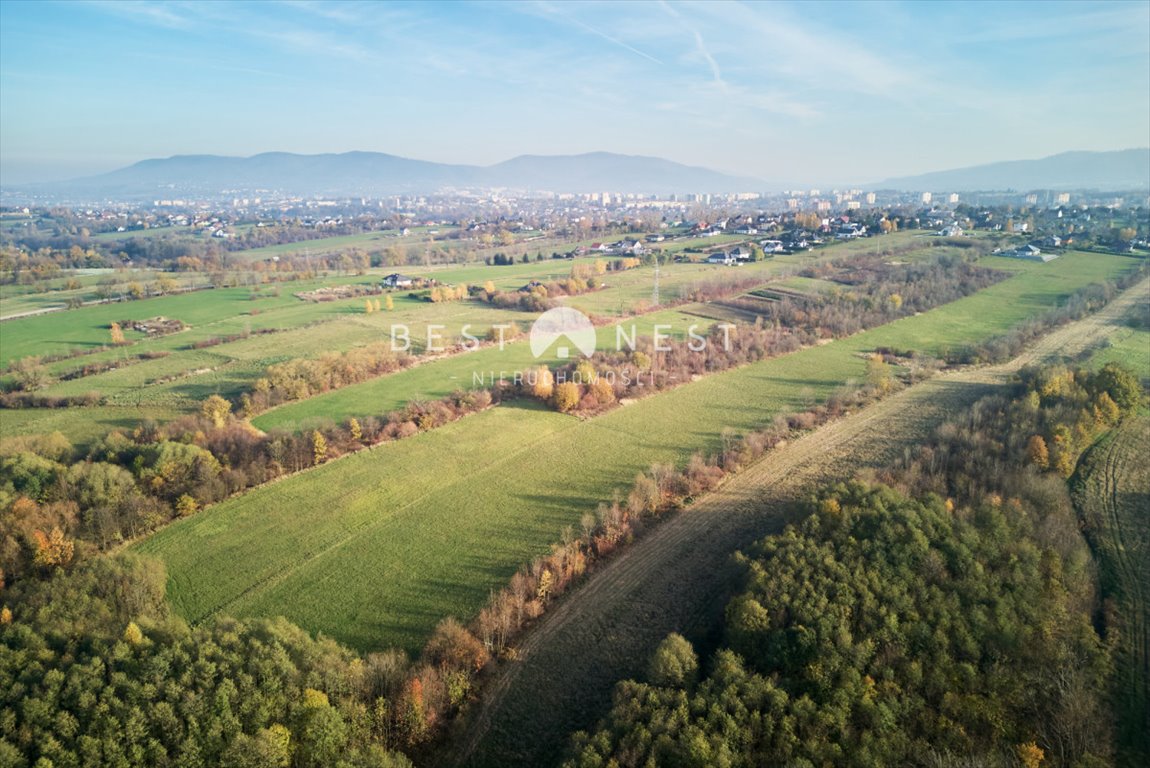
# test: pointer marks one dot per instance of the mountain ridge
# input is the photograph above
(1077, 169)
(365, 173)
(372, 173)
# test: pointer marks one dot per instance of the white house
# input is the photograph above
(396, 280)
(719, 257)
(1031, 253)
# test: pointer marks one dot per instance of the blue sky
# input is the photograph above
(794, 92)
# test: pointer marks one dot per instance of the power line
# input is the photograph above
(655, 290)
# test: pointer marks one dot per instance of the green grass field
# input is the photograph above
(1128, 343)
(150, 232)
(365, 240)
(1034, 288)
(435, 380)
(175, 385)
(81, 426)
(210, 312)
(1128, 346)
(375, 548)
(400, 532)
(54, 294)
(309, 329)
(626, 290)
(229, 310)
(184, 378)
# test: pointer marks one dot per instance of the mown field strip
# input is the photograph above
(1114, 495)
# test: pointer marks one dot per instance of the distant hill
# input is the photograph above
(375, 173)
(608, 172)
(1122, 169)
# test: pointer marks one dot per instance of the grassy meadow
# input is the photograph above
(376, 547)
(175, 385)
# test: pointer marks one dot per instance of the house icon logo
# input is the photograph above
(566, 324)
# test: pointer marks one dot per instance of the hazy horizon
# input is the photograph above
(812, 93)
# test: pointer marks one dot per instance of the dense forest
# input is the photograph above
(940, 615)
(93, 671)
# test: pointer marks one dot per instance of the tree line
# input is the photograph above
(302, 378)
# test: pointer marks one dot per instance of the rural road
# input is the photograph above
(678, 576)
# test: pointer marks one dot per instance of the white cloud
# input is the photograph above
(700, 46)
(159, 14)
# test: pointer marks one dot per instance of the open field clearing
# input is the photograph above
(1035, 288)
(230, 310)
(179, 382)
(442, 377)
(678, 576)
(626, 291)
(417, 241)
(1113, 496)
(632, 289)
(324, 245)
(16, 300)
(506, 277)
(807, 286)
(186, 376)
(1128, 346)
(210, 312)
(1129, 343)
(22, 304)
(82, 428)
(455, 537)
(244, 360)
(466, 535)
(150, 232)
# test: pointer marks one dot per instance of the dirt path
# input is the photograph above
(678, 576)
